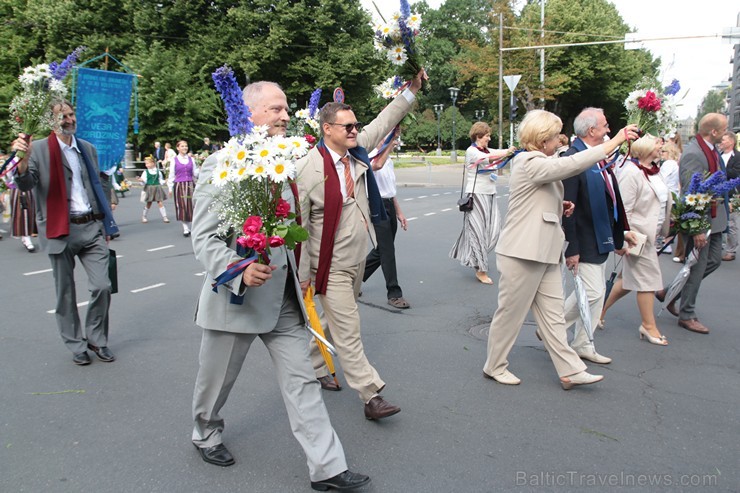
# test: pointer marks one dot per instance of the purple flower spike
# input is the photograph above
(695, 182)
(710, 184)
(313, 104)
(673, 88)
(60, 70)
(236, 111)
(405, 9)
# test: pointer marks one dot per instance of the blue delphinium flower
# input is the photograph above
(405, 9)
(694, 184)
(689, 215)
(60, 70)
(726, 187)
(397, 82)
(406, 35)
(237, 112)
(709, 185)
(673, 88)
(313, 103)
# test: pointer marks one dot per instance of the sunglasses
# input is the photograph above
(349, 126)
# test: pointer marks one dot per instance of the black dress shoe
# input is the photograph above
(329, 383)
(379, 408)
(345, 481)
(81, 359)
(218, 455)
(104, 354)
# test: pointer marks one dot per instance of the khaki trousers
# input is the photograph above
(594, 280)
(526, 284)
(343, 319)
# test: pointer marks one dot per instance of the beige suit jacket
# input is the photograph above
(532, 229)
(350, 244)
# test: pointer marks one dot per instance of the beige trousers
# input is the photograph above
(525, 285)
(343, 325)
(593, 277)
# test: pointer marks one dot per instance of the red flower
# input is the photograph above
(283, 208)
(649, 102)
(252, 225)
(310, 139)
(257, 241)
(276, 241)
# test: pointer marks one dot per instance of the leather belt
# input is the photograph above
(85, 218)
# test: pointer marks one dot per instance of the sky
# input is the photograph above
(698, 64)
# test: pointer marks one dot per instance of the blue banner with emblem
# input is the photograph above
(103, 102)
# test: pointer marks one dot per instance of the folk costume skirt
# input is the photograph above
(23, 213)
(155, 193)
(184, 200)
(479, 235)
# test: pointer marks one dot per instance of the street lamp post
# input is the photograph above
(479, 114)
(438, 109)
(453, 95)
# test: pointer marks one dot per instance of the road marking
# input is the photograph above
(36, 272)
(421, 197)
(145, 288)
(161, 248)
(448, 209)
(406, 200)
(430, 213)
(435, 195)
(447, 193)
(119, 256)
(411, 218)
(200, 273)
(84, 303)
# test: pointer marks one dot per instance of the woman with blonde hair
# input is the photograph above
(482, 224)
(647, 203)
(530, 248)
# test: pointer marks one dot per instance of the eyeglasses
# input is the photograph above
(349, 126)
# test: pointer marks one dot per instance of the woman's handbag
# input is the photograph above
(465, 203)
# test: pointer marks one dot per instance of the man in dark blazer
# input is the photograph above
(74, 220)
(731, 158)
(158, 152)
(700, 156)
(595, 229)
(270, 308)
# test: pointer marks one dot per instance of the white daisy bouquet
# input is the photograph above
(30, 111)
(690, 214)
(308, 118)
(653, 108)
(397, 41)
(390, 88)
(251, 174)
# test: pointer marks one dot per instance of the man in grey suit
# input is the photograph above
(700, 156)
(271, 310)
(74, 220)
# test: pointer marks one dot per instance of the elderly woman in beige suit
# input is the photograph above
(530, 248)
(647, 203)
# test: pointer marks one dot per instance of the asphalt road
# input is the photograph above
(664, 419)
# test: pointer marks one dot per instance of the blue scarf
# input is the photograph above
(111, 229)
(599, 211)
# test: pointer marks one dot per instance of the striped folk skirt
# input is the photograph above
(184, 200)
(479, 235)
(23, 214)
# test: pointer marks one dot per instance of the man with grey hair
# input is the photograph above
(596, 228)
(272, 310)
(731, 158)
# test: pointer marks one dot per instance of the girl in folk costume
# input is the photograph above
(181, 182)
(23, 215)
(153, 190)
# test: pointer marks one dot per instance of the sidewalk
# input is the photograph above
(440, 175)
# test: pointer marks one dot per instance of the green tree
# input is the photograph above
(713, 102)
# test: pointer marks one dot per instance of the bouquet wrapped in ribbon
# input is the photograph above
(397, 41)
(30, 111)
(252, 172)
(307, 119)
(653, 108)
(691, 211)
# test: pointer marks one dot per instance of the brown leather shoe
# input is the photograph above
(693, 325)
(671, 307)
(378, 408)
(329, 383)
(728, 256)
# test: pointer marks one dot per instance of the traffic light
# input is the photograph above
(513, 108)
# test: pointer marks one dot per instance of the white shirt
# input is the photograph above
(79, 203)
(726, 157)
(669, 172)
(385, 177)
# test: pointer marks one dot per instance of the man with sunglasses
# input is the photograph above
(339, 199)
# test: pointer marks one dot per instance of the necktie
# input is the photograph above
(349, 183)
(610, 189)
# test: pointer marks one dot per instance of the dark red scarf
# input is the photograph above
(484, 150)
(653, 170)
(332, 213)
(712, 161)
(57, 211)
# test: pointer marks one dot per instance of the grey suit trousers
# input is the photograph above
(87, 242)
(710, 258)
(221, 357)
